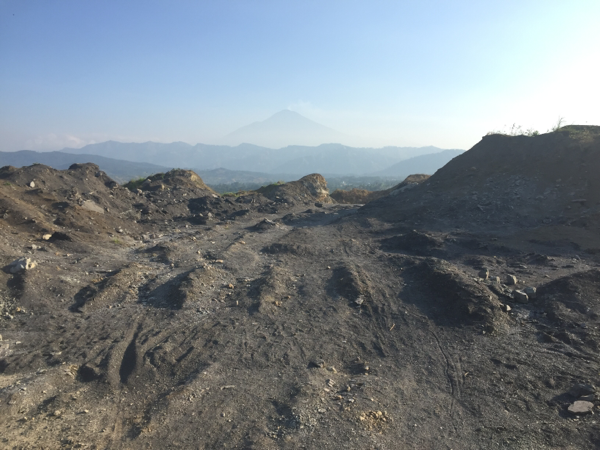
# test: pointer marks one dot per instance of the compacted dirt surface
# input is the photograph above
(459, 313)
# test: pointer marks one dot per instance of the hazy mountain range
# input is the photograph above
(298, 160)
(123, 161)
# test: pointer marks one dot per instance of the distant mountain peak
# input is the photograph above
(283, 129)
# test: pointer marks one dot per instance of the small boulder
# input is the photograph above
(32, 184)
(511, 280)
(484, 273)
(21, 265)
(520, 296)
(531, 292)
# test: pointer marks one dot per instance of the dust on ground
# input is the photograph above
(175, 318)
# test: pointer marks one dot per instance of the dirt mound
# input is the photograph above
(83, 198)
(456, 299)
(572, 307)
(176, 178)
(363, 196)
(309, 189)
(519, 180)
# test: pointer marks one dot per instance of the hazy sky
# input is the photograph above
(395, 72)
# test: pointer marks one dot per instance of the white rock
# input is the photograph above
(92, 206)
(21, 264)
(32, 184)
(46, 237)
(581, 407)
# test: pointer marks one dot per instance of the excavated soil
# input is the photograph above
(265, 321)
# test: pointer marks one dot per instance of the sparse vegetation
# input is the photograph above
(559, 124)
(516, 130)
(135, 184)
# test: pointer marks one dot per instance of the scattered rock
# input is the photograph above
(32, 184)
(511, 280)
(484, 273)
(531, 292)
(581, 407)
(318, 363)
(21, 265)
(89, 205)
(46, 237)
(520, 296)
(506, 308)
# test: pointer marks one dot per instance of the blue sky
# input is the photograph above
(392, 72)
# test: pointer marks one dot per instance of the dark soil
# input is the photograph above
(264, 321)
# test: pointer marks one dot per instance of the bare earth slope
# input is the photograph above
(264, 322)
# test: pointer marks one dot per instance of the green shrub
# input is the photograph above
(135, 184)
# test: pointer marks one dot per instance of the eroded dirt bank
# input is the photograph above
(175, 318)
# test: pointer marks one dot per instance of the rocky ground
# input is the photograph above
(459, 313)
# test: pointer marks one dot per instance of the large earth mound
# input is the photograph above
(526, 181)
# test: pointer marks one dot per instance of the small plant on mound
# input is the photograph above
(516, 130)
(135, 184)
(559, 124)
